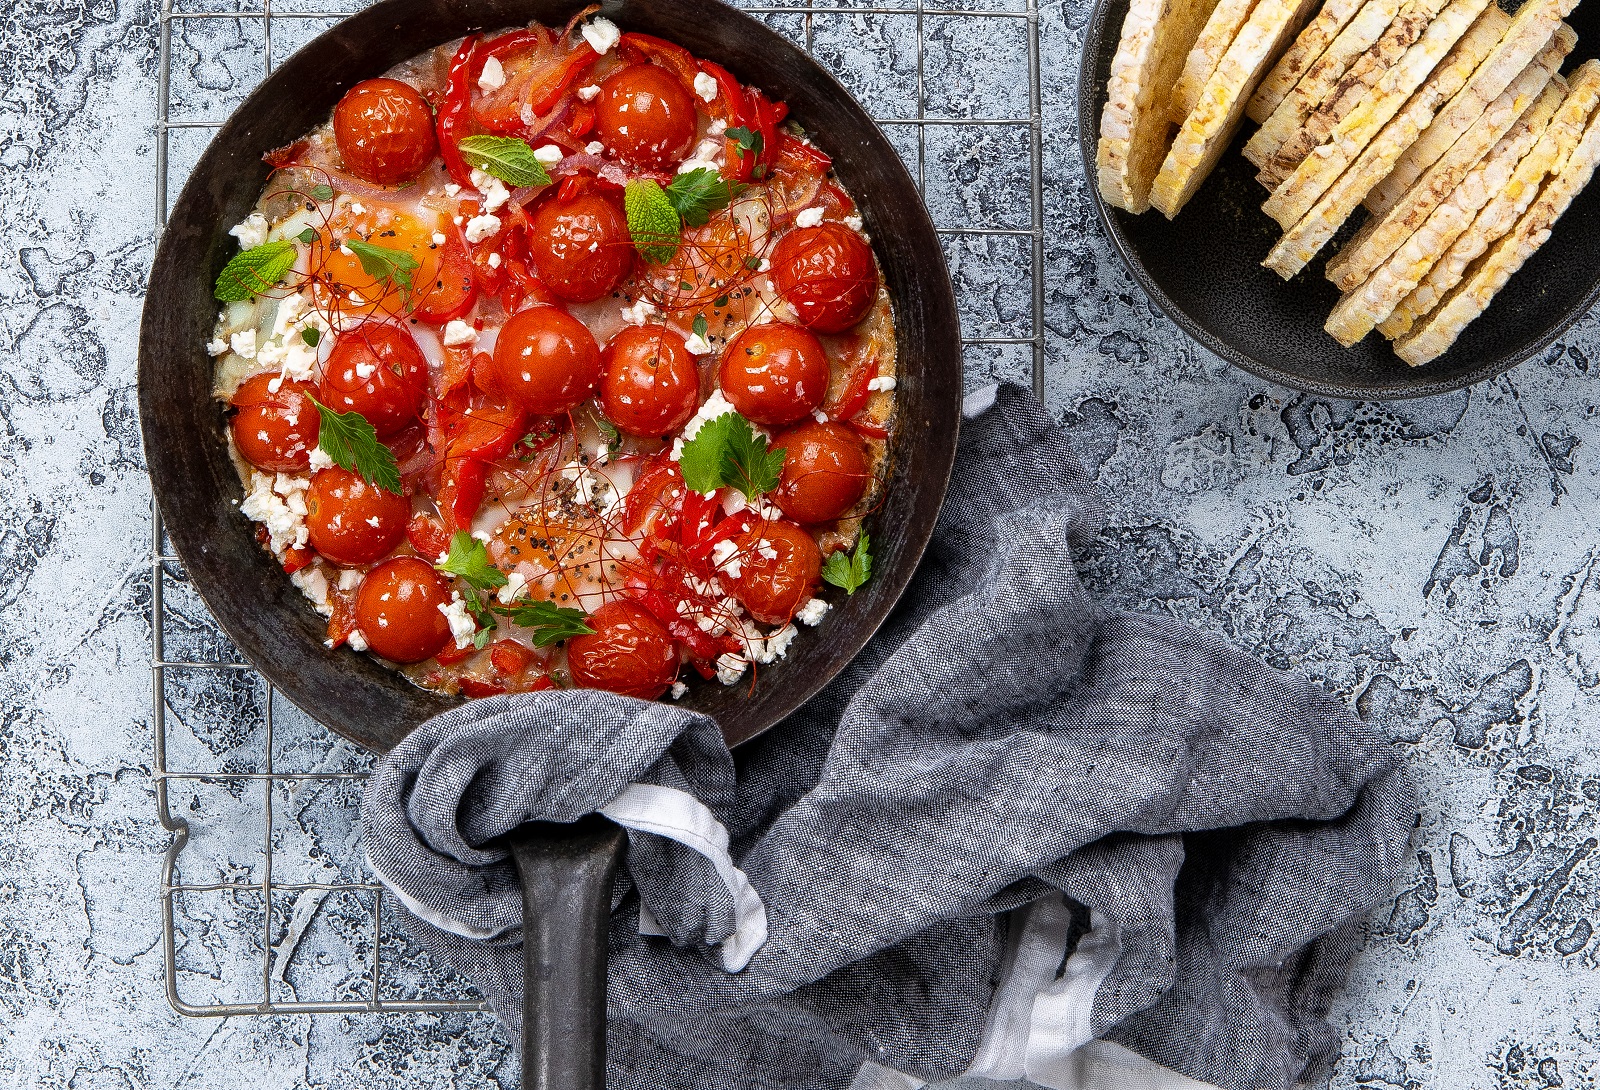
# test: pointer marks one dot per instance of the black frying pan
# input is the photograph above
(566, 872)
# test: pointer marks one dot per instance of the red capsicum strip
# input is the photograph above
(664, 53)
(560, 79)
(456, 111)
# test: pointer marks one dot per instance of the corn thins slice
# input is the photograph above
(1156, 36)
(1374, 300)
(1209, 49)
(1324, 218)
(1434, 335)
(1318, 83)
(1381, 235)
(1307, 51)
(1207, 131)
(1531, 28)
(1506, 203)
(1364, 76)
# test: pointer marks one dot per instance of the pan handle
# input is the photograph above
(566, 872)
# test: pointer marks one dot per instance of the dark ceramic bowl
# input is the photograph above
(1203, 269)
(198, 490)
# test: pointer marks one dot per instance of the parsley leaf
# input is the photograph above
(383, 263)
(351, 442)
(700, 192)
(483, 614)
(613, 436)
(548, 622)
(253, 271)
(850, 571)
(470, 560)
(652, 220)
(726, 451)
(506, 157)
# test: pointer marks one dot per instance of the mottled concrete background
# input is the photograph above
(1435, 562)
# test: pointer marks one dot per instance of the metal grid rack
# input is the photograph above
(253, 766)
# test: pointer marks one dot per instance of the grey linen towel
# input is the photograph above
(1018, 837)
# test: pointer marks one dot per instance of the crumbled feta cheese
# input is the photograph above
(458, 333)
(252, 232)
(365, 370)
(278, 503)
(589, 93)
(483, 536)
(769, 648)
(717, 127)
(462, 626)
(320, 458)
(482, 227)
(357, 640)
(494, 260)
(716, 405)
(640, 313)
(349, 579)
(853, 222)
(516, 583)
(495, 193)
(697, 345)
(765, 266)
(217, 346)
(244, 344)
(551, 154)
(882, 382)
(705, 157)
(819, 416)
(705, 86)
(451, 189)
(440, 238)
(601, 34)
(358, 208)
(725, 558)
(678, 690)
(730, 667)
(594, 147)
(313, 583)
(494, 75)
(811, 613)
(808, 217)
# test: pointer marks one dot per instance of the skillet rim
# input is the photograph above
(195, 243)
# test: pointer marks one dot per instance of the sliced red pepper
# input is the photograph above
(450, 654)
(652, 493)
(730, 93)
(582, 123)
(278, 158)
(456, 370)
(664, 53)
(513, 42)
(869, 429)
(295, 558)
(766, 116)
(456, 111)
(487, 433)
(344, 621)
(477, 690)
(856, 390)
(795, 156)
(461, 492)
(559, 80)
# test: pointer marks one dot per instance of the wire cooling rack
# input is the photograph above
(267, 907)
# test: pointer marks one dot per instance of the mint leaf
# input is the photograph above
(253, 271)
(652, 220)
(548, 622)
(850, 571)
(613, 436)
(322, 193)
(748, 140)
(506, 157)
(350, 441)
(308, 236)
(701, 327)
(383, 263)
(700, 192)
(312, 337)
(470, 560)
(727, 452)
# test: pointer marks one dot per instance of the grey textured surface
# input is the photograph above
(1435, 563)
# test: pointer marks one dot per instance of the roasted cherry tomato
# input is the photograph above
(827, 274)
(275, 430)
(645, 115)
(398, 607)
(630, 653)
(825, 472)
(546, 361)
(651, 385)
(352, 521)
(384, 130)
(581, 247)
(774, 374)
(779, 568)
(377, 370)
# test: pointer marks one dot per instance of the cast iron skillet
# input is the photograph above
(1203, 269)
(566, 872)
